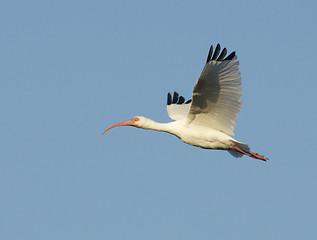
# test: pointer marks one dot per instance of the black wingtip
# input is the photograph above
(222, 54)
(216, 53)
(176, 99)
(209, 54)
(230, 56)
(169, 99)
(181, 100)
(214, 56)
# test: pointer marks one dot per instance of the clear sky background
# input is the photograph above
(70, 69)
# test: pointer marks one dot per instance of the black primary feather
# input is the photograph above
(222, 54)
(213, 56)
(175, 97)
(181, 100)
(216, 53)
(231, 56)
(169, 99)
(209, 54)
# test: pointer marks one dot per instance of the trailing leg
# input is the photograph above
(250, 154)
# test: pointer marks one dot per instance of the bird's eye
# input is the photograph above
(136, 119)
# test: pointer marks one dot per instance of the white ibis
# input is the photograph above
(208, 120)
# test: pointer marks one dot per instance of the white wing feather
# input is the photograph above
(178, 111)
(216, 96)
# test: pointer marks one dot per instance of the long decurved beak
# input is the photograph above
(124, 123)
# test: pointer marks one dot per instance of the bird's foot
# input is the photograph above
(251, 154)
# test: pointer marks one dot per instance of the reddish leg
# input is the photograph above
(251, 154)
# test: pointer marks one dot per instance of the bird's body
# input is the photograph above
(195, 135)
(208, 120)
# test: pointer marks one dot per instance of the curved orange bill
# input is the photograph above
(124, 123)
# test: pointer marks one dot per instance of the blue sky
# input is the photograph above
(69, 69)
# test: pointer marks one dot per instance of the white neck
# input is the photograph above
(150, 124)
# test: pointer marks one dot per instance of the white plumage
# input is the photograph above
(209, 119)
(178, 111)
(216, 98)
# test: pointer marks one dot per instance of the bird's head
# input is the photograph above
(137, 121)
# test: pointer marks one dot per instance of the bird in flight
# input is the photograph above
(208, 119)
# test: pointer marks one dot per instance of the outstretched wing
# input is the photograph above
(177, 108)
(216, 94)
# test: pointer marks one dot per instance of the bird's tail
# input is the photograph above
(240, 149)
